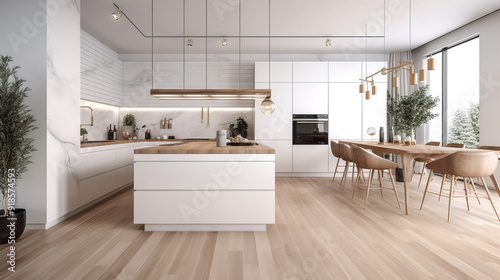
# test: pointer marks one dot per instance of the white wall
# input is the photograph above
(49, 54)
(28, 47)
(101, 72)
(489, 90)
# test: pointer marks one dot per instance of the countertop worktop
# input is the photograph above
(126, 141)
(206, 147)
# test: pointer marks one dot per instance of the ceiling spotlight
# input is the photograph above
(189, 42)
(328, 42)
(224, 42)
(117, 15)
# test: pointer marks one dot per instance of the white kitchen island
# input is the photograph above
(197, 186)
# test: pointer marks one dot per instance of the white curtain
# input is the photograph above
(404, 75)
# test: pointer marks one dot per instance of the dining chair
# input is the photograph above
(345, 155)
(453, 145)
(335, 147)
(424, 161)
(493, 148)
(368, 160)
(465, 164)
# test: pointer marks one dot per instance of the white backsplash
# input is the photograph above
(187, 123)
(104, 115)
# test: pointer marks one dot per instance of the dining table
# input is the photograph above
(410, 152)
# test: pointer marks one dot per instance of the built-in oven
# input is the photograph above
(310, 129)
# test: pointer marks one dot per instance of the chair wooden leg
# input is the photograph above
(413, 169)
(421, 174)
(451, 196)
(442, 184)
(489, 197)
(466, 195)
(353, 165)
(475, 190)
(394, 188)
(335, 173)
(344, 176)
(370, 178)
(380, 184)
(357, 182)
(426, 188)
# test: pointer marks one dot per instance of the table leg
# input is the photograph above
(495, 183)
(406, 160)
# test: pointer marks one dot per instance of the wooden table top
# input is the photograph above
(206, 148)
(431, 151)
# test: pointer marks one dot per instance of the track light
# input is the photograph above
(117, 15)
(189, 42)
(224, 42)
(328, 42)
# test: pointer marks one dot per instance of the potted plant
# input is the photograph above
(238, 127)
(411, 111)
(128, 127)
(16, 122)
(83, 133)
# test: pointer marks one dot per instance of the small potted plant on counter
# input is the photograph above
(128, 127)
(16, 122)
(83, 133)
(238, 128)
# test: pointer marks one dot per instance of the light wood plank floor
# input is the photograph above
(320, 233)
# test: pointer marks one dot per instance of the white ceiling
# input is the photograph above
(429, 20)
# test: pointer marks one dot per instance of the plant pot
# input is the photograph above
(399, 175)
(20, 224)
(128, 131)
(243, 133)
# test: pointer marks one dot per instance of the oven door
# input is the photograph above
(310, 132)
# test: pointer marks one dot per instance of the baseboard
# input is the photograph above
(33, 226)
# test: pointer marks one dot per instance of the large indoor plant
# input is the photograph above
(128, 127)
(410, 111)
(16, 122)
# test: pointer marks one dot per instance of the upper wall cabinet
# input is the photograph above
(375, 111)
(310, 72)
(310, 98)
(345, 71)
(281, 72)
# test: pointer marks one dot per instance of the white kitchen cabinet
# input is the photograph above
(89, 165)
(310, 98)
(310, 72)
(310, 158)
(281, 72)
(279, 124)
(375, 112)
(283, 152)
(346, 71)
(345, 111)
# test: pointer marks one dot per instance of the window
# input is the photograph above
(456, 82)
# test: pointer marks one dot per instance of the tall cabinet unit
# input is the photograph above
(317, 87)
(275, 130)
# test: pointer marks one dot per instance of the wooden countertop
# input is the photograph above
(206, 148)
(115, 142)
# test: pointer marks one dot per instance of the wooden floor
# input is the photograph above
(320, 233)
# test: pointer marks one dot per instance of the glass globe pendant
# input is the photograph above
(267, 106)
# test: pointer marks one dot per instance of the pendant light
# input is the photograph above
(267, 106)
(431, 63)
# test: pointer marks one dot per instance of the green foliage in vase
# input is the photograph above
(16, 122)
(83, 131)
(410, 111)
(240, 126)
(129, 119)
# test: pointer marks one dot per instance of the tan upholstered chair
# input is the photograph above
(465, 164)
(493, 148)
(335, 147)
(345, 154)
(424, 161)
(367, 160)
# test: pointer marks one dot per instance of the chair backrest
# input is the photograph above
(455, 145)
(334, 145)
(493, 148)
(366, 159)
(466, 164)
(345, 152)
(433, 143)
